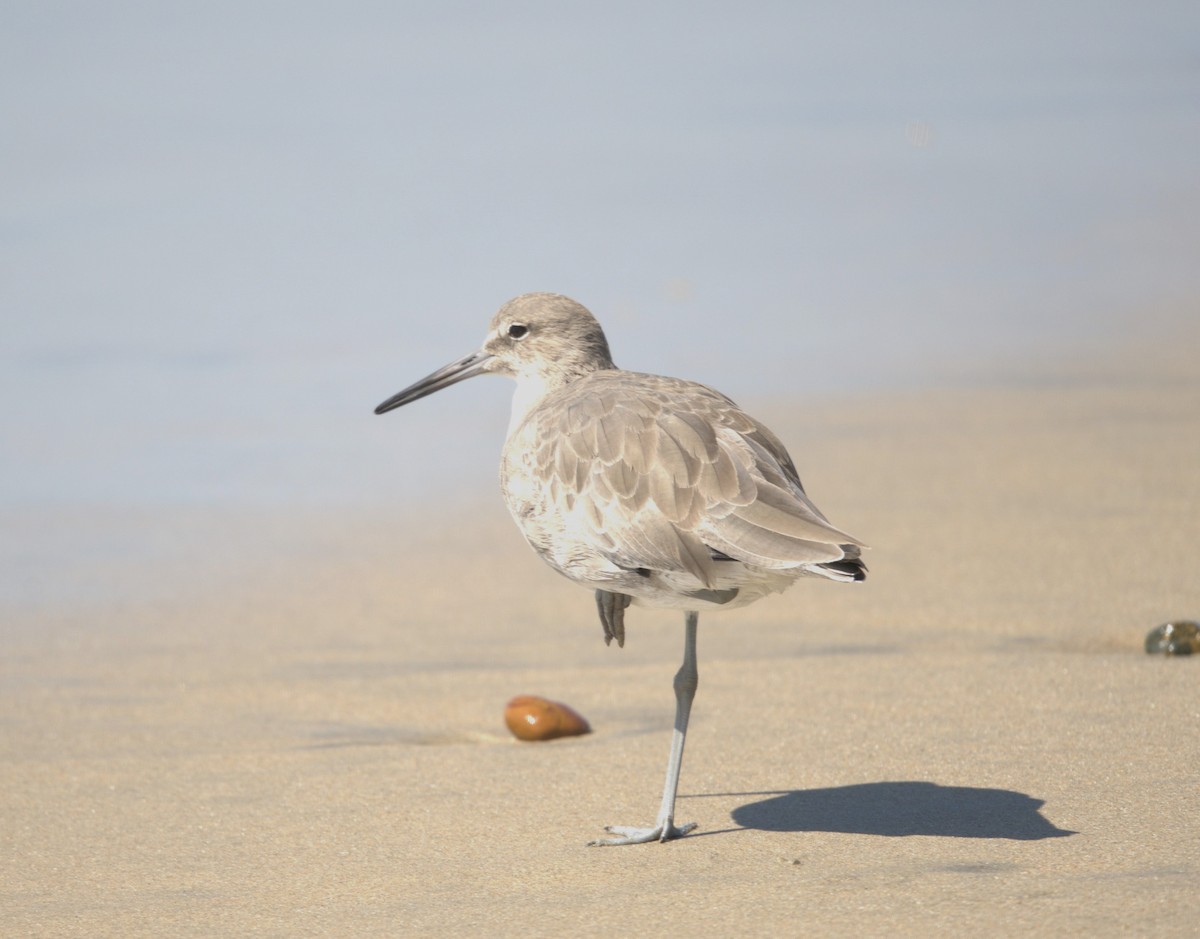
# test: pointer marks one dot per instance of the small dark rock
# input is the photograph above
(1178, 637)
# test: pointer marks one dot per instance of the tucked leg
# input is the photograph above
(686, 681)
(612, 615)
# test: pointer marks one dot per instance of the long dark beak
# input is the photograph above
(444, 377)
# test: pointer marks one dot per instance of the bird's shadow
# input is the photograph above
(898, 809)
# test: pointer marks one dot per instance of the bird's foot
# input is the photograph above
(629, 835)
(612, 614)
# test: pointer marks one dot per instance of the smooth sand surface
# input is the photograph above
(971, 743)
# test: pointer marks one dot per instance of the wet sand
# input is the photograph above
(310, 741)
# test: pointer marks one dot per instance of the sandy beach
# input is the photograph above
(973, 742)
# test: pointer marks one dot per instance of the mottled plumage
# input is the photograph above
(649, 490)
(663, 490)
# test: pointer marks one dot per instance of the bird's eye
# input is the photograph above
(518, 331)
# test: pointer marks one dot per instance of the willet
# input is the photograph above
(649, 490)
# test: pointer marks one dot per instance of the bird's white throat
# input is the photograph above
(531, 388)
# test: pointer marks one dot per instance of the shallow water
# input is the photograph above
(227, 237)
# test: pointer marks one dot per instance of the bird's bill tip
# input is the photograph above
(444, 377)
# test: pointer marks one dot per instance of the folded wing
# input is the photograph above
(666, 473)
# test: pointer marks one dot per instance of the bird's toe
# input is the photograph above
(627, 834)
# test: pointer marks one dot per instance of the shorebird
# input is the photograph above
(651, 491)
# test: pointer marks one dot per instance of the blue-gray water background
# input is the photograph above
(230, 229)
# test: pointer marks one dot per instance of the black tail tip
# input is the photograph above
(853, 568)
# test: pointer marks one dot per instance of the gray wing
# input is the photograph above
(665, 472)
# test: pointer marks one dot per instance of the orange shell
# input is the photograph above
(532, 718)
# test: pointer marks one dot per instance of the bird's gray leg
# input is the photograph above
(686, 681)
(612, 615)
